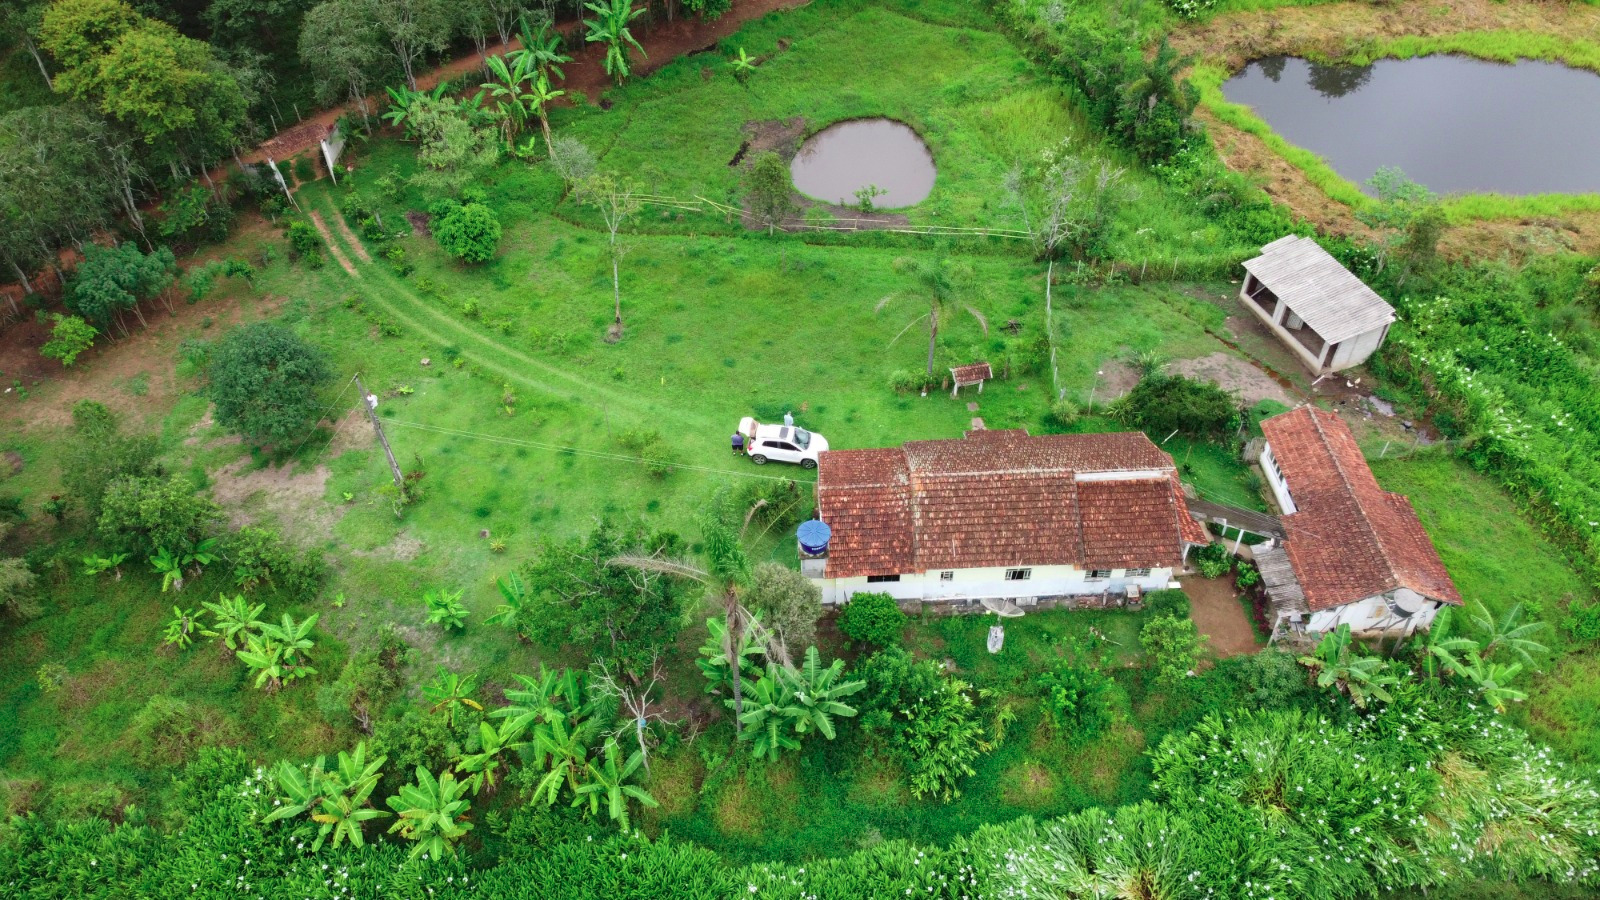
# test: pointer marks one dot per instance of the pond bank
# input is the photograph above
(1361, 32)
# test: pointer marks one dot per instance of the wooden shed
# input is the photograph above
(1328, 317)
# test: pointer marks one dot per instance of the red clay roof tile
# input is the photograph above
(1348, 539)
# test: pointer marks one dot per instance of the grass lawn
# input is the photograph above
(1498, 559)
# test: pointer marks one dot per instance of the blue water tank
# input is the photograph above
(813, 535)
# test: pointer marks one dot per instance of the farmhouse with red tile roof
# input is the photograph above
(1353, 553)
(1001, 515)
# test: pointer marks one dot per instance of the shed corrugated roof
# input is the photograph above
(1334, 303)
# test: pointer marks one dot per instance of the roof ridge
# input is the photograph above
(1366, 526)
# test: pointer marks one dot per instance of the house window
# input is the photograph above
(880, 579)
(1018, 574)
(1099, 574)
(1138, 573)
(947, 576)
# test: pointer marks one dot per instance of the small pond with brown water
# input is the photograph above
(846, 157)
(1453, 124)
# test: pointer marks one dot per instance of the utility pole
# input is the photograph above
(369, 402)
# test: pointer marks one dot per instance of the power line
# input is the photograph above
(596, 454)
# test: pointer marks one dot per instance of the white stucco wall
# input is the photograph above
(1349, 352)
(1280, 487)
(1372, 616)
(991, 583)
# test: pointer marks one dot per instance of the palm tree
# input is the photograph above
(433, 813)
(517, 610)
(1510, 633)
(727, 575)
(542, 47)
(611, 27)
(609, 781)
(1336, 664)
(449, 690)
(236, 620)
(936, 280)
(1157, 81)
(483, 766)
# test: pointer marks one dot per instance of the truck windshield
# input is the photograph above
(802, 437)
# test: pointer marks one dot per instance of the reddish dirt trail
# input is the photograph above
(663, 42)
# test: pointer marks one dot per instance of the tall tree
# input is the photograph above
(341, 47)
(170, 89)
(114, 280)
(617, 199)
(610, 27)
(21, 19)
(624, 617)
(414, 28)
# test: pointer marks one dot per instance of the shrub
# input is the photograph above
(1173, 645)
(304, 242)
(1248, 575)
(70, 337)
(1173, 603)
(470, 232)
(259, 556)
(650, 448)
(925, 719)
(788, 603)
(264, 381)
(912, 381)
(1077, 698)
(1270, 679)
(872, 619)
(142, 514)
(1064, 412)
(1583, 621)
(1213, 560)
(1162, 404)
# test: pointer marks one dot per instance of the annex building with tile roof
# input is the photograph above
(1352, 552)
(1001, 515)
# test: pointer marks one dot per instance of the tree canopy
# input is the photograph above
(264, 380)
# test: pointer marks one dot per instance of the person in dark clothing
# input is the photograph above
(738, 443)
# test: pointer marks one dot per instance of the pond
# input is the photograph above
(844, 158)
(1453, 124)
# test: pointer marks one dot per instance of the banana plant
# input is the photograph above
(264, 657)
(204, 554)
(403, 102)
(743, 66)
(818, 692)
(444, 608)
(718, 650)
(1438, 644)
(235, 620)
(294, 636)
(770, 717)
(566, 750)
(484, 766)
(449, 691)
(183, 626)
(1509, 633)
(541, 46)
(610, 27)
(94, 565)
(608, 782)
(335, 799)
(301, 789)
(517, 610)
(169, 566)
(1336, 664)
(539, 98)
(506, 91)
(433, 813)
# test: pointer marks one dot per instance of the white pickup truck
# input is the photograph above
(780, 443)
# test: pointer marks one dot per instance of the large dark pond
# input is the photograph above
(844, 158)
(1453, 124)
